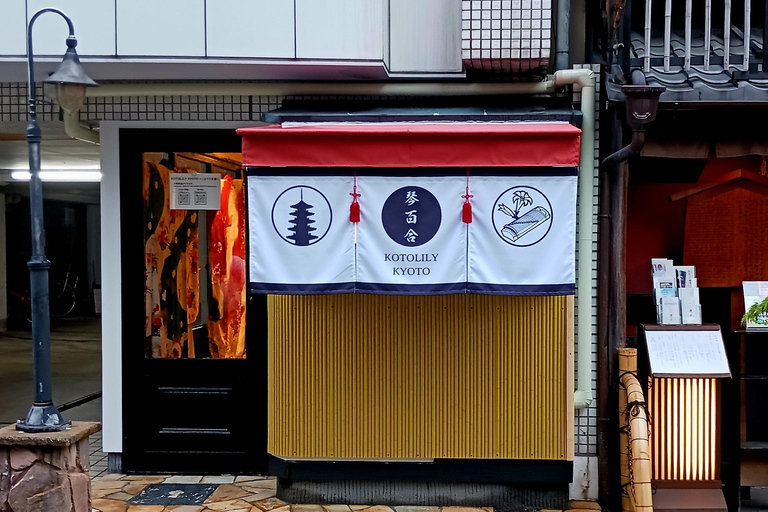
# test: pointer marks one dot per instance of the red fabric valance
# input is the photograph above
(412, 145)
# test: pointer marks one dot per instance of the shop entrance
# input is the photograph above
(194, 340)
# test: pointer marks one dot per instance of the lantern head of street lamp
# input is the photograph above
(70, 80)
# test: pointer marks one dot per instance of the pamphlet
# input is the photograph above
(670, 311)
(685, 276)
(675, 292)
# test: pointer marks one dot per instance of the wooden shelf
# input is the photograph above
(754, 445)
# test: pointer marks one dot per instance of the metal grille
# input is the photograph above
(728, 39)
(511, 36)
(409, 377)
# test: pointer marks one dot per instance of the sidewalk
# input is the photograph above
(120, 493)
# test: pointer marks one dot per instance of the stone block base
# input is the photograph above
(46, 471)
(502, 497)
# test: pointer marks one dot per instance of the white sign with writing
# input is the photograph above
(195, 191)
(687, 353)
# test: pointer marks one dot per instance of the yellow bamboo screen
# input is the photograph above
(685, 444)
(395, 377)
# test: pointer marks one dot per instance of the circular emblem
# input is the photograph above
(522, 216)
(301, 215)
(411, 216)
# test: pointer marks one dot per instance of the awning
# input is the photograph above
(520, 144)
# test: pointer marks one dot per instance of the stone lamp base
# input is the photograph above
(46, 471)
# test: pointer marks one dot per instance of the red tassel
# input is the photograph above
(354, 208)
(466, 212)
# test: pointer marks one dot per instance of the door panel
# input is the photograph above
(194, 342)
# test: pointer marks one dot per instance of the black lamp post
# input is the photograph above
(70, 80)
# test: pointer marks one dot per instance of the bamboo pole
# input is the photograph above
(635, 449)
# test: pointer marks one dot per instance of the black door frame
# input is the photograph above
(205, 381)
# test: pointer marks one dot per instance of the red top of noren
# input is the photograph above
(478, 144)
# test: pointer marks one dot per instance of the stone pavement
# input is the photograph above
(120, 493)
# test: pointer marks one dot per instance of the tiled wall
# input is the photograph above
(586, 419)
(506, 34)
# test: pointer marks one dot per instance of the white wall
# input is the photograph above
(94, 22)
(410, 36)
(339, 29)
(424, 36)
(263, 28)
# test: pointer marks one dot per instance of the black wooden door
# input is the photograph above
(184, 415)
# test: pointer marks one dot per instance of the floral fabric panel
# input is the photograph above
(172, 281)
(226, 254)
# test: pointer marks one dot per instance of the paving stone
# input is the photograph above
(260, 495)
(357, 508)
(134, 488)
(136, 479)
(416, 509)
(249, 478)
(229, 505)
(379, 508)
(183, 479)
(267, 483)
(306, 508)
(218, 479)
(103, 505)
(226, 492)
(337, 508)
(100, 484)
(102, 493)
(111, 477)
(462, 509)
(146, 508)
(183, 508)
(122, 496)
(270, 504)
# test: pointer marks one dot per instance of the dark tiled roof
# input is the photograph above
(697, 84)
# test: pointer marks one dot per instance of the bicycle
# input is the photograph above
(63, 295)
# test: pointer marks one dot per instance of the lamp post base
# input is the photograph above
(43, 418)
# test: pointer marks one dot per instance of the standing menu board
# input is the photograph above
(686, 353)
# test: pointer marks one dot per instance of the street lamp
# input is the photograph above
(70, 80)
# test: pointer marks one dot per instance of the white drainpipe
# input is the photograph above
(583, 77)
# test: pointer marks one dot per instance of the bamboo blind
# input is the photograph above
(418, 377)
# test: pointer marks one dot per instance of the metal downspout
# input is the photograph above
(586, 78)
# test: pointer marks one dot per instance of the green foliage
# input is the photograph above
(754, 312)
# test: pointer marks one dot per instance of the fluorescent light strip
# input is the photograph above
(66, 176)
